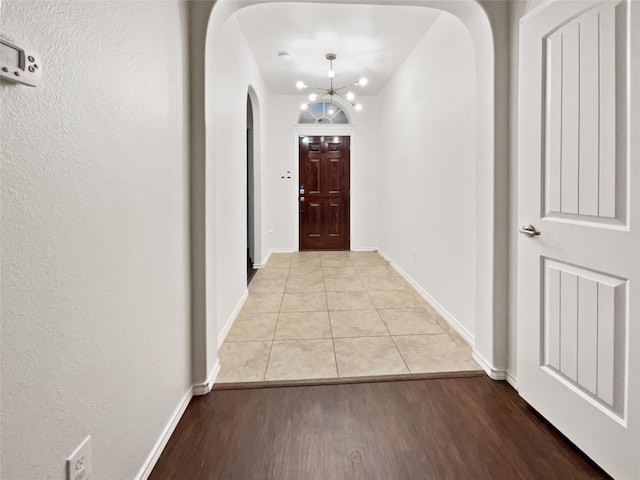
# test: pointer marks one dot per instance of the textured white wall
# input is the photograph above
(428, 175)
(95, 286)
(282, 155)
(236, 71)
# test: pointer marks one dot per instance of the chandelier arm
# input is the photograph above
(317, 99)
(347, 86)
(345, 98)
(317, 88)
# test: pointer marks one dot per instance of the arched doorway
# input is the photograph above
(491, 183)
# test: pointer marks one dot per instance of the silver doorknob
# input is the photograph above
(529, 231)
(302, 199)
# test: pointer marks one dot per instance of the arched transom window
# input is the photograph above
(323, 112)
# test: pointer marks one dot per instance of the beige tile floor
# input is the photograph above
(336, 314)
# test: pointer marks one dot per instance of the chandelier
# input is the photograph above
(331, 91)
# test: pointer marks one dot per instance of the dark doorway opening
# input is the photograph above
(250, 193)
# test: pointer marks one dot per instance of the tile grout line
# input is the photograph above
(326, 296)
(394, 342)
(266, 368)
(333, 340)
(401, 356)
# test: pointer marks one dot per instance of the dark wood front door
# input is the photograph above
(324, 193)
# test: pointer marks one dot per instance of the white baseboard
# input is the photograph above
(451, 320)
(364, 249)
(264, 261)
(384, 255)
(512, 380)
(157, 449)
(232, 318)
(494, 373)
(204, 388)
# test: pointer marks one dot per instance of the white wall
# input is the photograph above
(282, 153)
(237, 71)
(427, 189)
(95, 284)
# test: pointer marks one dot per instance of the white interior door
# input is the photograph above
(579, 280)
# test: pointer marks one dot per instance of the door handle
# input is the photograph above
(302, 199)
(529, 231)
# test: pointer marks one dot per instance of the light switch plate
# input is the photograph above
(79, 463)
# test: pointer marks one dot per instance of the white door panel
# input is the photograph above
(584, 75)
(578, 282)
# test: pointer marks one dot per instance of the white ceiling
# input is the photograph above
(370, 41)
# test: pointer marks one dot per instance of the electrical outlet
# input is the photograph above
(79, 463)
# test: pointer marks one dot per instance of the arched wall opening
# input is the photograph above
(251, 254)
(254, 174)
(491, 184)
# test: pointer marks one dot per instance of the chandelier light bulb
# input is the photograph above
(332, 74)
(313, 97)
(331, 111)
(363, 82)
(303, 106)
(350, 96)
(300, 85)
(358, 107)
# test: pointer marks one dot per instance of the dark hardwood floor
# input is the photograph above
(458, 428)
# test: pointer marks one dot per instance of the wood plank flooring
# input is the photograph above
(457, 428)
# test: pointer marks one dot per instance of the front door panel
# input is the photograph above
(324, 193)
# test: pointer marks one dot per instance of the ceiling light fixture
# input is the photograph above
(331, 91)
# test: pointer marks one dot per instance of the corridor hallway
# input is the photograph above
(313, 315)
